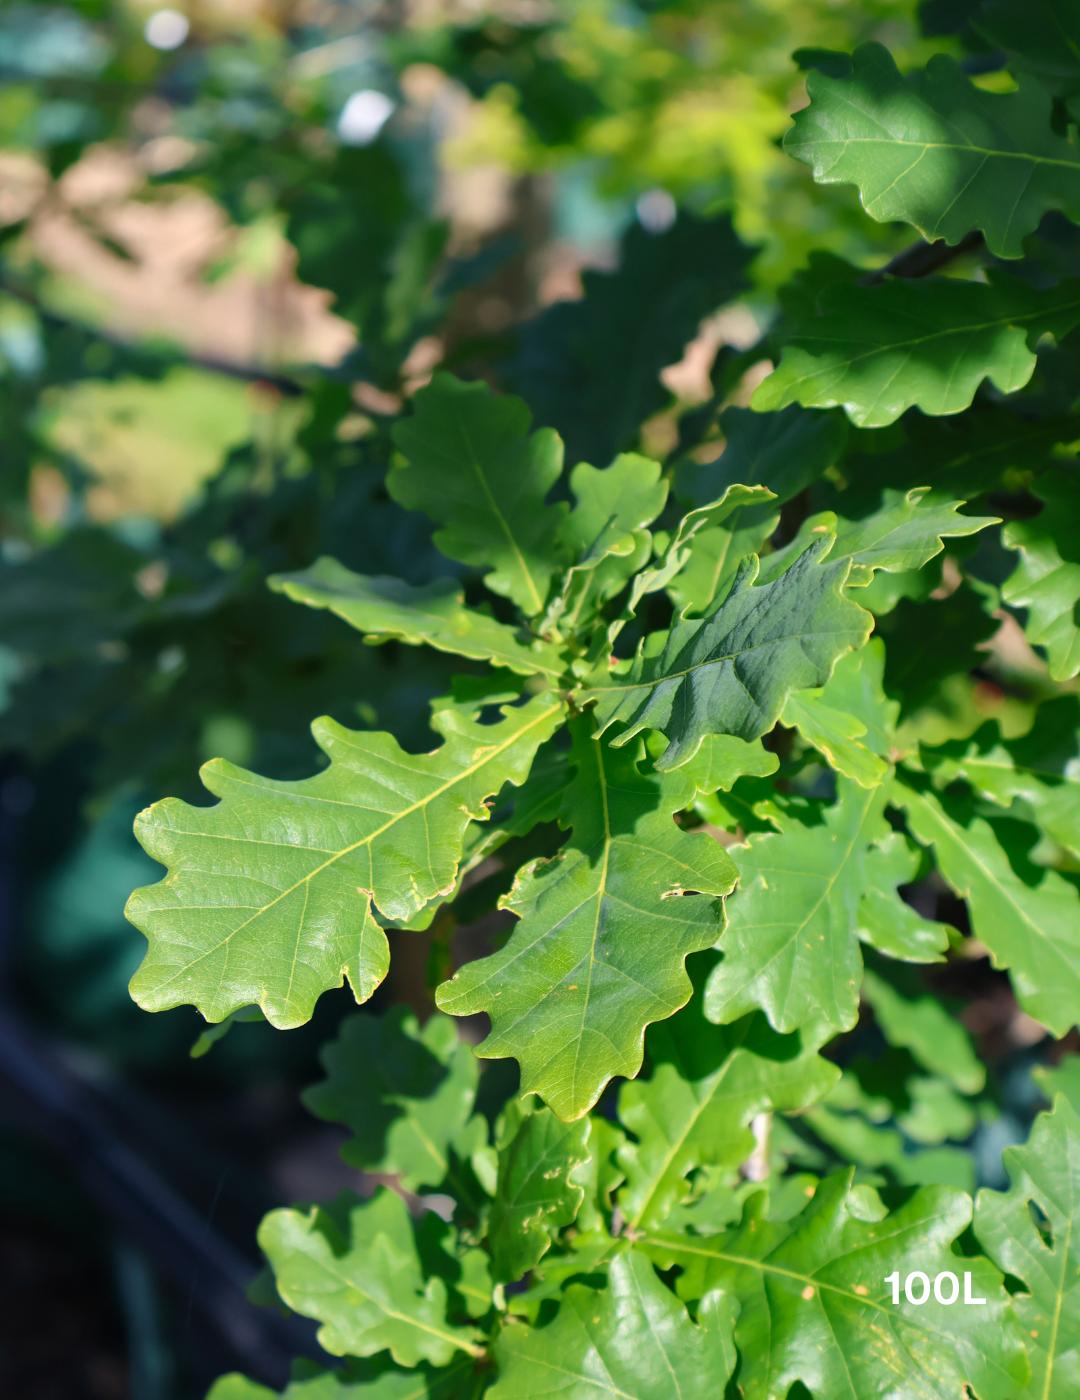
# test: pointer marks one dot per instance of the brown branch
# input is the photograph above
(922, 259)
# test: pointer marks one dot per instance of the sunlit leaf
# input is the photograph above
(632, 1339)
(815, 1307)
(535, 1194)
(1028, 1232)
(604, 930)
(1032, 929)
(731, 671)
(935, 151)
(270, 894)
(474, 468)
(877, 351)
(1047, 578)
(354, 1267)
(434, 614)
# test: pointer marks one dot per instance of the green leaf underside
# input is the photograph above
(814, 1306)
(633, 1339)
(877, 351)
(605, 927)
(1033, 931)
(474, 468)
(731, 671)
(534, 1195)
(407, 1094)
(269, 897)
(684, 1119)
(434, 614)
(355, 1268)
(936, 151)
(791, 943)
(1047, 578)
(1045, 1171)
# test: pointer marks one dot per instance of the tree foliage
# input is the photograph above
(753, 706)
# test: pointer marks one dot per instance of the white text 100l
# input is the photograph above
(946, 1289)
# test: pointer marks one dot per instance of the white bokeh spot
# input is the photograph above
(166, 29)
(364, 116)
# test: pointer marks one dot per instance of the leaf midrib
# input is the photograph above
(924, 146)
(798, 341)
(493, 505)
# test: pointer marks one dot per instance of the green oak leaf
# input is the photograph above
(534, 1195)
(407, 1095)
(434, 615)
(849, 719)
(814, 1305)
(696, 525)
(1047, 578)
(878, 351)
(604, 930)
(996, 768)
(633, 1340)
(604, 535)
(723, 759)
(731, 671)
(886, 922)
(935, 151)
(1037, 1247)
(354, 1267)
(707, 1083)
(1063, 1078)
(389, 1385)
(907, 530)
(270, 894)
(791, 945)
(473, 466)
(783, 452)
(855, 1140)
(1032, 929)
(937, 1040)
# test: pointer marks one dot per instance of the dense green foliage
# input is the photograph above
(718, 689)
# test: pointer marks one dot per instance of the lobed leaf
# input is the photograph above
(632, 1339)
(783, 452)
(433, 614)
(937, 1040)
(356, 1270)
(271, 893)
(708, 1082)
(534, 1195)
(731, 671)
(878, 351)
(1028, 1232)
(814, 1306)
(1032, 929)
(935, 151)
(604, 930)
(849, 719)
(474, 468)
(407, 1095)
(1047, 578)
(791, 944)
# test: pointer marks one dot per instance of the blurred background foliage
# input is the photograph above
(235, 236)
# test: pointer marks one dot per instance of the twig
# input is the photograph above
(923, 258)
